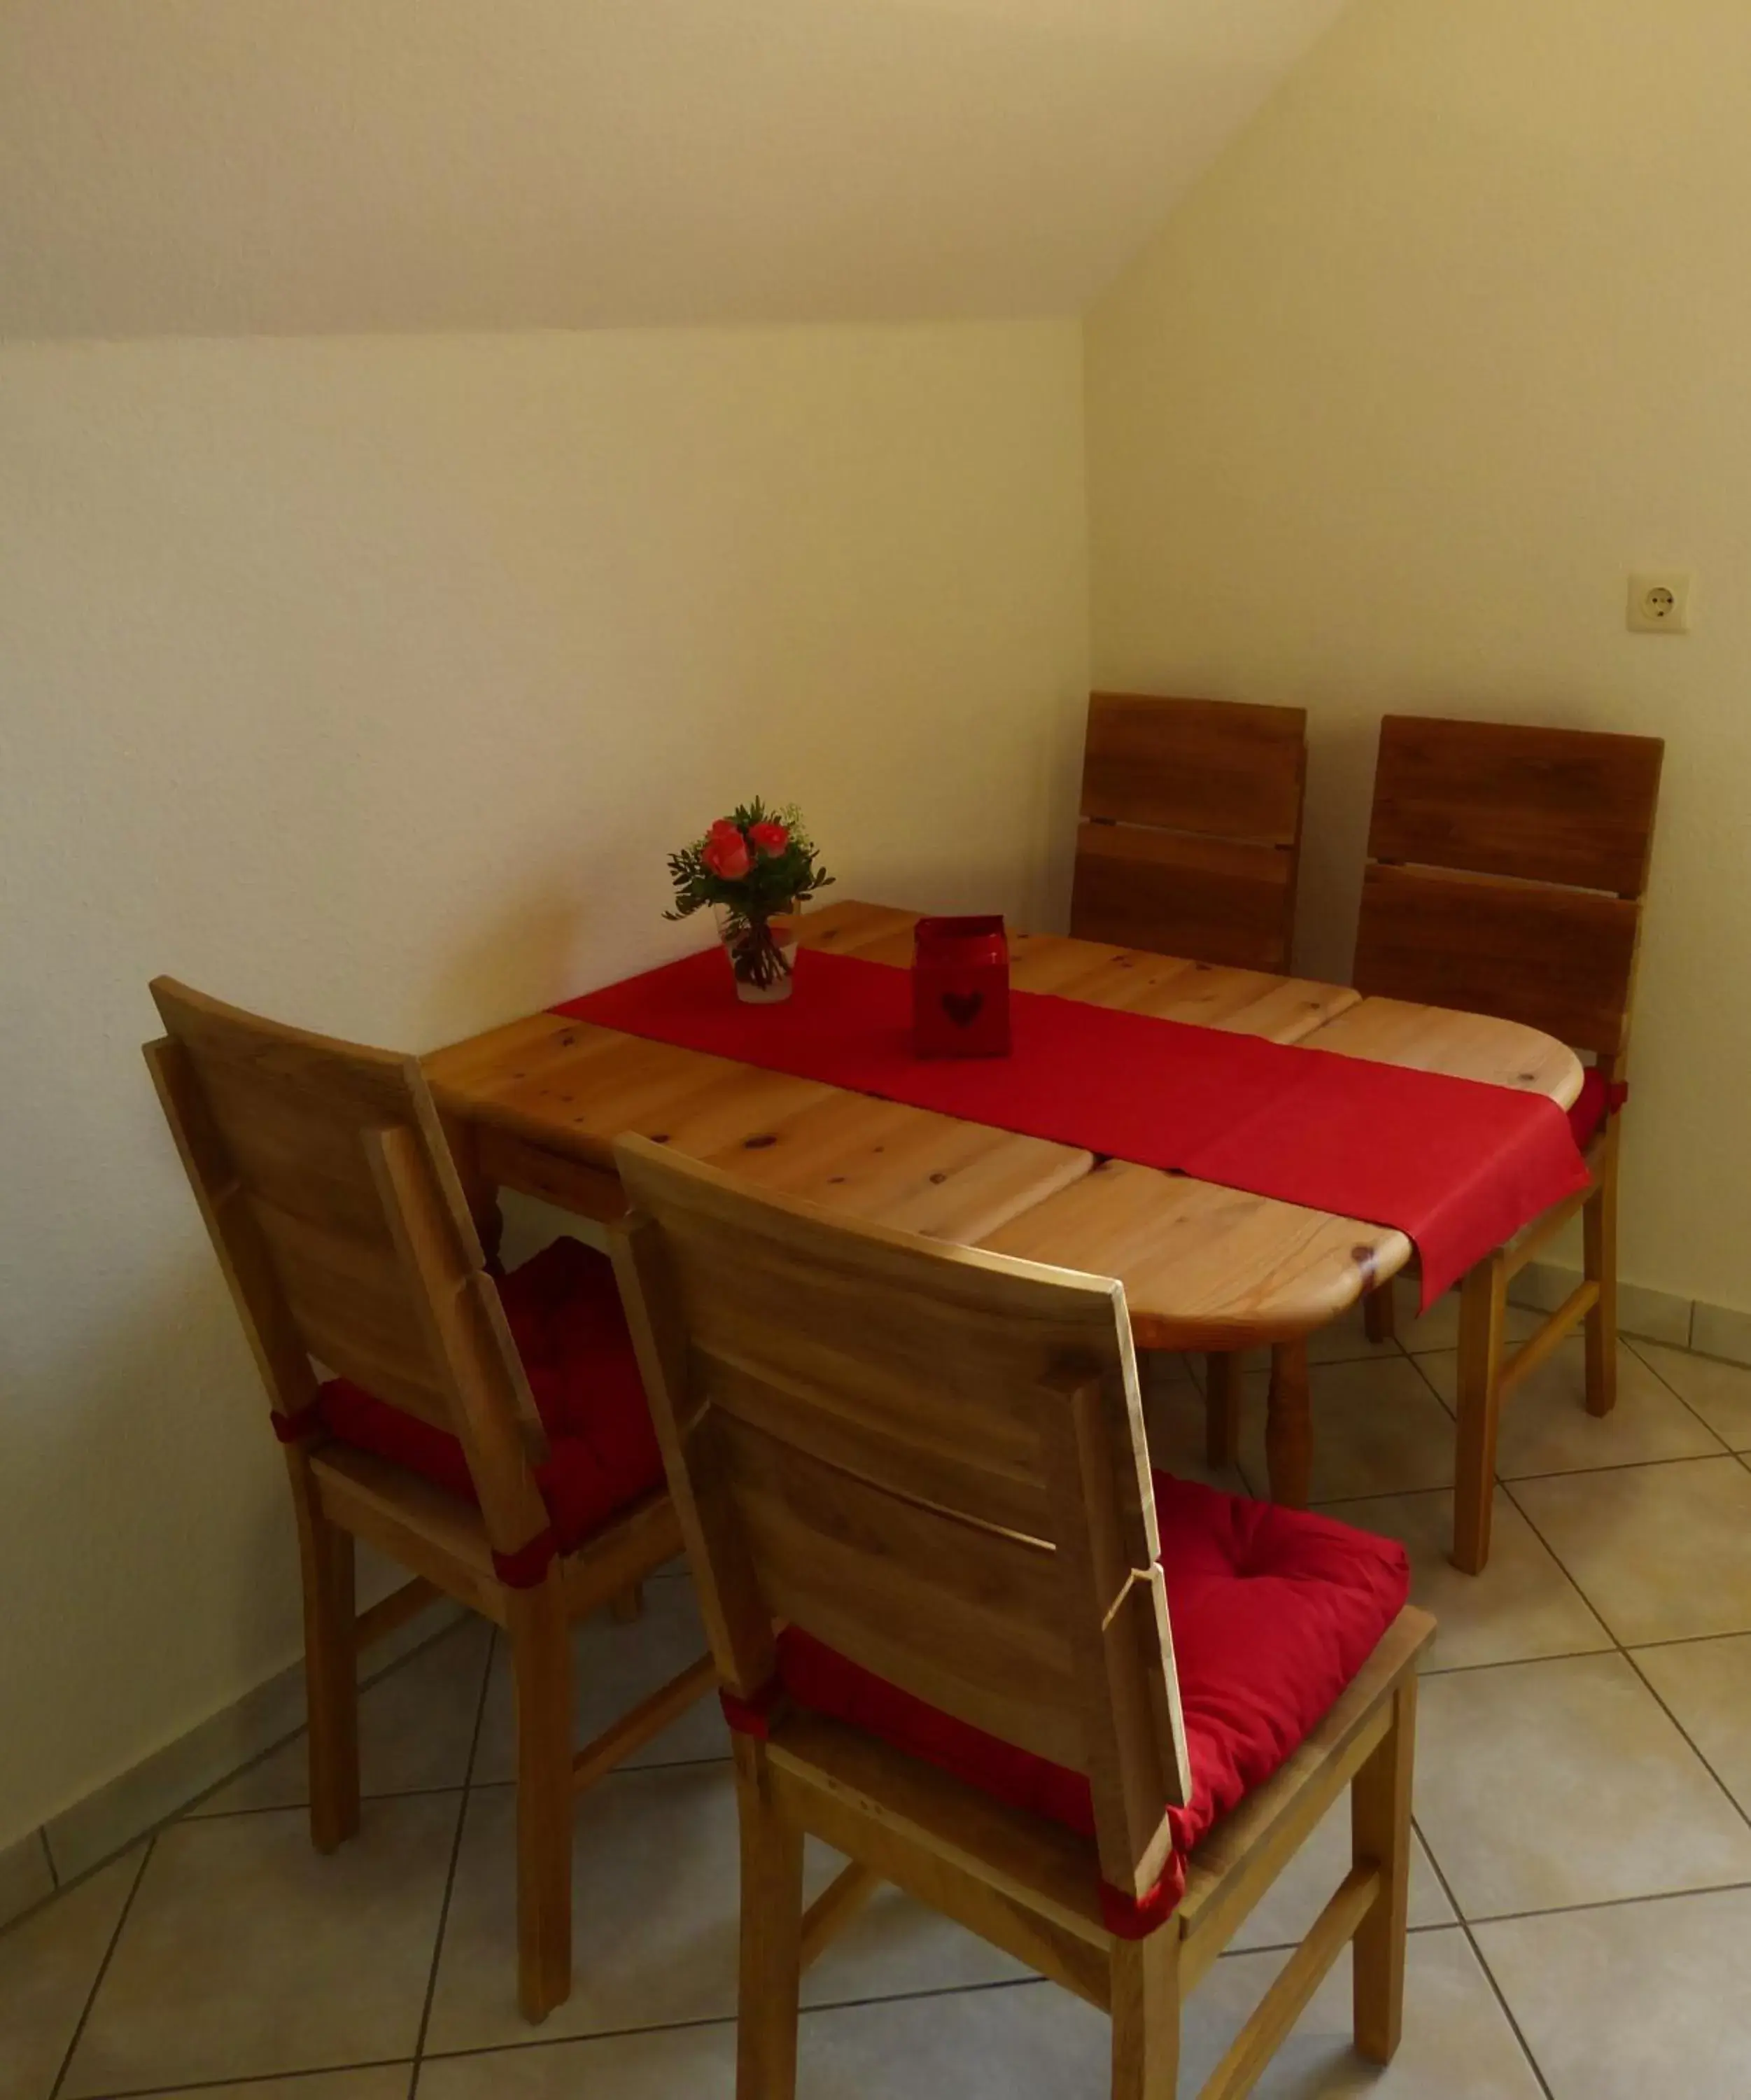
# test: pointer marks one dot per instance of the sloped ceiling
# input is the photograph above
(297, 166)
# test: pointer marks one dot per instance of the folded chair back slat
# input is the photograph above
(1190, 828)
(334, 1206)
(930, 1459)
(1562, 805)
(1559, 960)
(1506, 865)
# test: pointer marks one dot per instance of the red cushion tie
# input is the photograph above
(1599, 1100)
(294, 1429)
(564, 1310)
(1136, 1917)
(751, 1716)
(528, 1565)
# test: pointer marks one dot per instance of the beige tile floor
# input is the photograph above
(1580, 1903)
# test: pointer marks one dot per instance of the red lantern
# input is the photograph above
(960, 988)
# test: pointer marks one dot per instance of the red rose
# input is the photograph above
(726, 851)
(770, 838)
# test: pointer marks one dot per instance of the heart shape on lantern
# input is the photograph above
(962, 1008)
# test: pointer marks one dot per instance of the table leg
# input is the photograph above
(1222, 1408)
(1289, 1427)
(1482, 1309)
(1380, 1313)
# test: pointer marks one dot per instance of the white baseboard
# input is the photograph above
(1718, 1331)
(26, 1876)
(1655, 1315)
(162, 1784)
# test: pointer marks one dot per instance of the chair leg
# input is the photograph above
(1483, 1306)
(626, 1605)
(331, 1669)
(1380, 1837)
(772, 1913)
(541, 1666)
(1145, 1991)
(1598, 1232)
(1289, 1427)
(1222, 1408)
(1380, 1313)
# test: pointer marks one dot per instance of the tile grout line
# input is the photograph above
(1623, 1649)
(103, 1966)
(1477, 1956)
(615, 1772)
(302, 1807)
(1615, 1902)
(414, 1794)
(1416, 1363)
(1732, 1799)
(1616, 1645)
(1030, 1981)
(1654, 1373)
(262, 2079)
(456, 1854)
(1507, 2013)
(1526, 1661)
(1684, 1640)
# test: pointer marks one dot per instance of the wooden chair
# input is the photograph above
(1190, 844)
(1506, 866)
(338, 1216)
(1190, 838)
(931, 1460)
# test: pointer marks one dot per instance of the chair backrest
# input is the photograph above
(1506, 870)
(931, 1458)
(321, 1170)
(1190, 838)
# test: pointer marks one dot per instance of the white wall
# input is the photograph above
(1450, 341)
(369, 683)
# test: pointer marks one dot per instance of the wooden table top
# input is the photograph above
(1203, 1267)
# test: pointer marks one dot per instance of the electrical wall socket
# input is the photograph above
(1660, 604)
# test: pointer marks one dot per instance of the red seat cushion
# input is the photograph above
(1595, 1102)
(1273, 1612)
(564, 1310)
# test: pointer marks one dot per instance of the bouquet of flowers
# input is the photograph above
(753, 867)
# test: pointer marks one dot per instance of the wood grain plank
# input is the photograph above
(1245, 1002)
(1562, 961)
(1220, 900)
(1221, 769)
(1205, 1268)
(1466, 1045)
(1548, 805)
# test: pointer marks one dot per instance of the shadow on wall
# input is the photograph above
(1341, 754)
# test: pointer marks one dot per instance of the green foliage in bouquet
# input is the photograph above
(754, 862)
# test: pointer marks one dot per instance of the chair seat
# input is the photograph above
(1273, 1612)
(565, 1314)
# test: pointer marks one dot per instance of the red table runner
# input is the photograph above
(1458, 1165)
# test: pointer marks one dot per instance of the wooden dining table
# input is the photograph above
(535, 1106)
